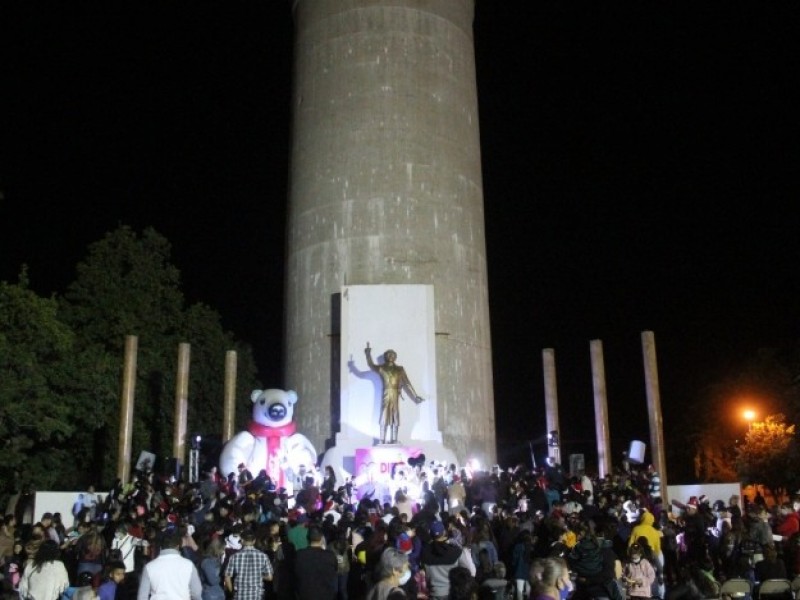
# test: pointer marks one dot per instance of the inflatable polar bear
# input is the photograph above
(271, 441)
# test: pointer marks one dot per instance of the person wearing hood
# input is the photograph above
(646, 530)
(438, 558)
(595, 566)
(639, 574)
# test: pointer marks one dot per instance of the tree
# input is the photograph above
(769, 455)
(714, 422)
(38, 415)
(128, 286)
(61, 365)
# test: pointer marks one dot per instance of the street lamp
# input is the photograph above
(749, 416)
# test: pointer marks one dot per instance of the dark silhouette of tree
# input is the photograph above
(61, 365)
(128, 286)
(768, 455)
(38, 415)
(714, 424)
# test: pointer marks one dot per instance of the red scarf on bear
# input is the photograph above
(273, 435)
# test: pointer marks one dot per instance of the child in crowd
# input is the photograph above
(115, 574)
(638, 573)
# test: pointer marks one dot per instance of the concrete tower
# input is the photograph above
(385, 188)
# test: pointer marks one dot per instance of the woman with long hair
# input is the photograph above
(484, 551)
(521, 557)
(329, 482)
(45, 577)
(92, 552)
(210, 568)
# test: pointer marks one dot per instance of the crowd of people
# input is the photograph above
(445, 533)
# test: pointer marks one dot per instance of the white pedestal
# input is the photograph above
(400, 318)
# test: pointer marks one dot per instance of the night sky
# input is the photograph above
(640, 167)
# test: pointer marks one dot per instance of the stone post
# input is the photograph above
(600, 408)
(551, 400)
(126, 409)
(654, 410)
(181, 404)
(229, 411)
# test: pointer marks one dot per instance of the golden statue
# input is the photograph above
(394, 380)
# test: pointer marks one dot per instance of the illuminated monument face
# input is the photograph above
(385, 190)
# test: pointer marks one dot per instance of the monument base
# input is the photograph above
(378, 471)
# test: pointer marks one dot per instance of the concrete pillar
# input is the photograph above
(385, 188)
(654, 410)
(600, 408)
(181, 404)
(126, 408)
(551, 399)
(229, 410)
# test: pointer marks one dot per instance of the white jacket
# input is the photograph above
(46, 583)
(127, 547)
(170, 577)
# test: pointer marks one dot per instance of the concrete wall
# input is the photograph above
(385, 188)
(714, 491)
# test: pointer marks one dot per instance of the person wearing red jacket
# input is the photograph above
(790, 522)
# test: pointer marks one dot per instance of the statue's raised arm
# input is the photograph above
(370, 362)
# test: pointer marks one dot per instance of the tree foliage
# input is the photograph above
(61, 360)
(128, 286)
(38, 415)
(769, 455)
(765, 381)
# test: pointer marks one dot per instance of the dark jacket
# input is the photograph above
(316, 572)
(439, 558)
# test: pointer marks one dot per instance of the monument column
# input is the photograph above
(181, 404)
(654, 410)
(551, 403)
(600, 408)
(126, 408)
(385, 188)
(229, 406)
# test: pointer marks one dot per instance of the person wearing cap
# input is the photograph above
(438, 558)
(247, 570)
